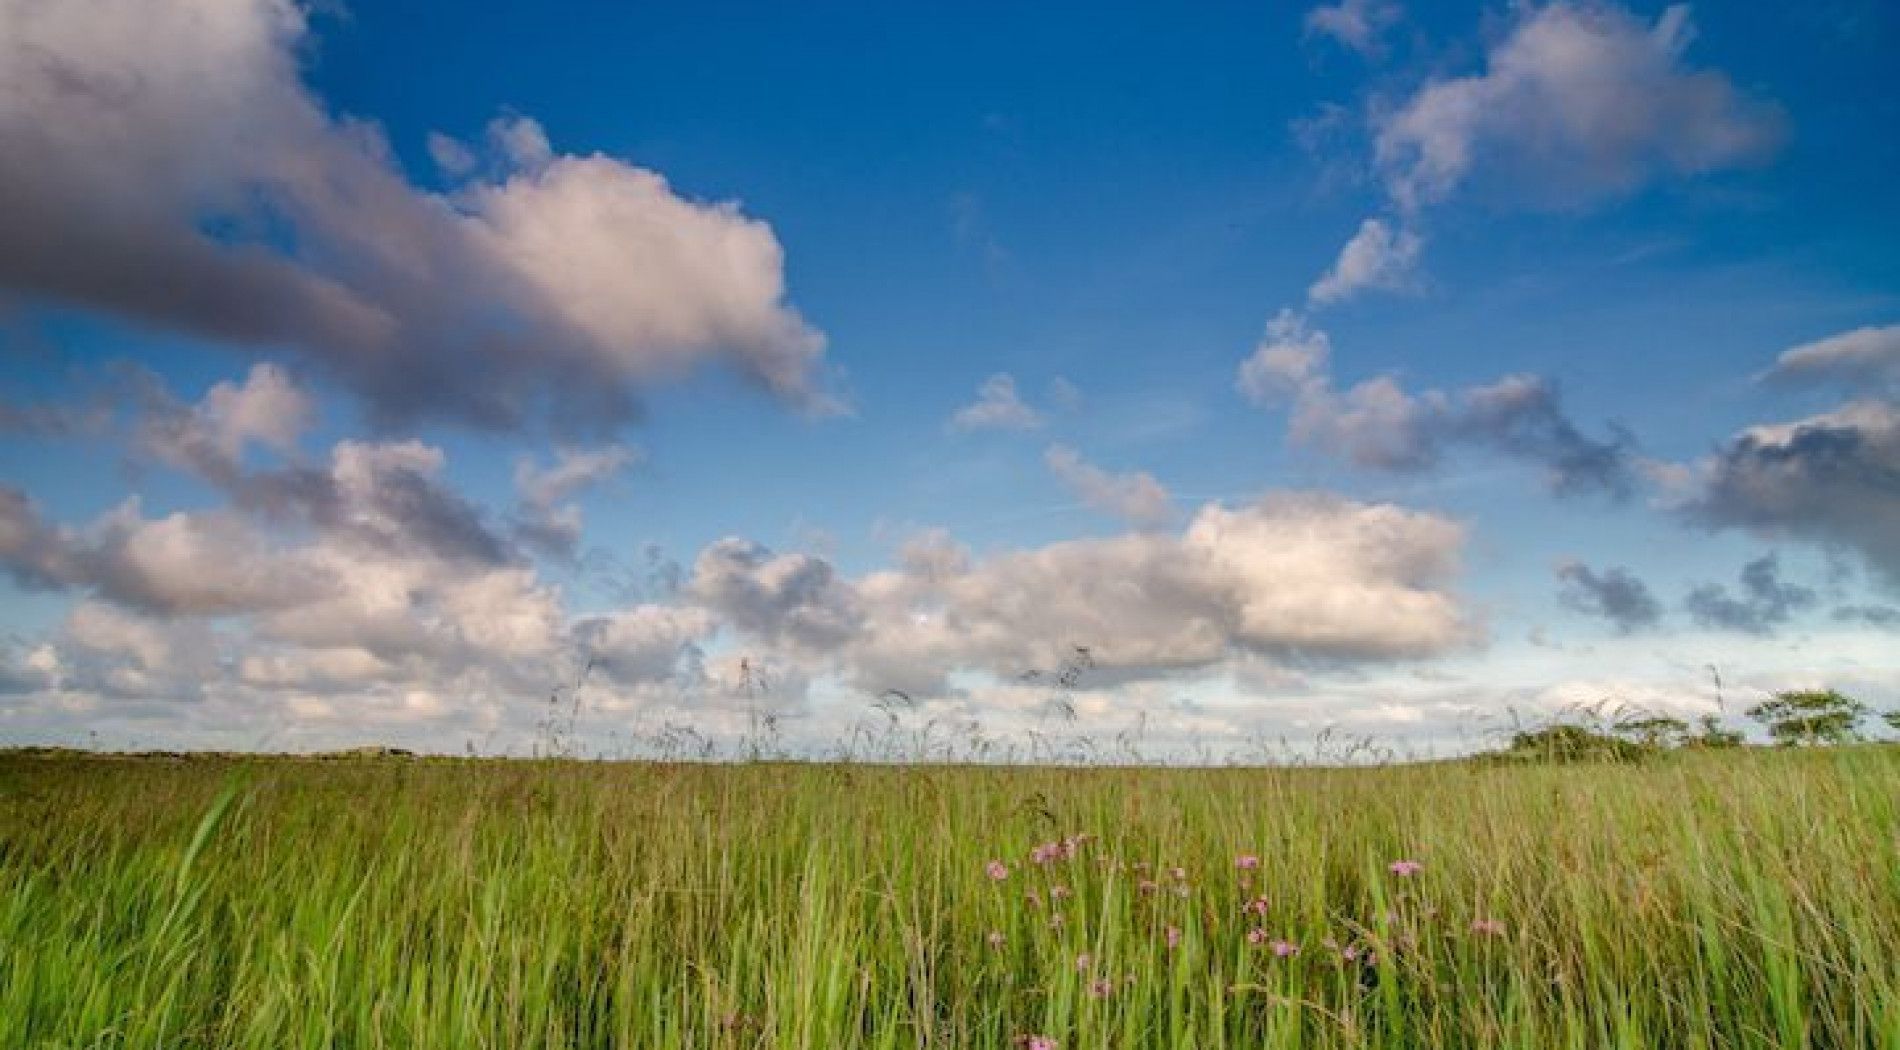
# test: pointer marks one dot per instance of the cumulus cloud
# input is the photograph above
(1136, 498)
(1378, 424)
(208, 563)
(1765, 601)
(387, 496)
(1885, 617)
(649, 643)
(1832, 479)
(361, 593)
(1577, 101)
(1357, 24)
(168, 165)
(1290, 359)
(1614, 594)
(1869, 355)
(998, 406)
(266, 409)
(108, 652)
(1377, 257)
(293, 534)
(547, 519)
(797, 600)
(1294, 577)
(376, 504)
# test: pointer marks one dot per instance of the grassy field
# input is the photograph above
(1741, 899)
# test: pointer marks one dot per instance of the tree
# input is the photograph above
(1568, 742)
(1714, 735)
(1656, 732)
(1810, 716)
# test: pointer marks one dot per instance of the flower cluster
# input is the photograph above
(1053, 882)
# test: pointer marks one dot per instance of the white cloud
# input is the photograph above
(998, 406)
(574, 471)
(522, 141)
(1863, 355)
(644, 282)
(1357, 24)
(1831, 479)
(547, 519)
(1288, 360)
(1065, 394)
(1378, 424)
(647, 643)
(1296, 576)
(452, 158)
(794, 600)
(267, 409)
(1577, 101)
(377, 611)
(1377, 257)
(205, 563)
(1136, 498)
(563, 284)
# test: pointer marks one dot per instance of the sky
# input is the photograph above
(1020, 381)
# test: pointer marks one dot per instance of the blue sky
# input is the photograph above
(1615, 299)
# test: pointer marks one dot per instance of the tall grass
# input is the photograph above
(1745, 899)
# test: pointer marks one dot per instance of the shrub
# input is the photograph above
(1800, 717)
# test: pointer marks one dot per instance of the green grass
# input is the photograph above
(1747, 899)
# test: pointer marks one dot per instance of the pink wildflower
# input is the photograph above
(996, 870)
(1405, 869)
(1146, 887)
(1101, 988)
(1037, 1042)
(1285, 949)
(1246, 862)
(1256, 936)
(1488, 927)
(1082, 963)
(1257, 906)
(1180, 874)
(1173, 936)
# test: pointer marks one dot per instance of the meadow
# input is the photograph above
(1743, 898)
